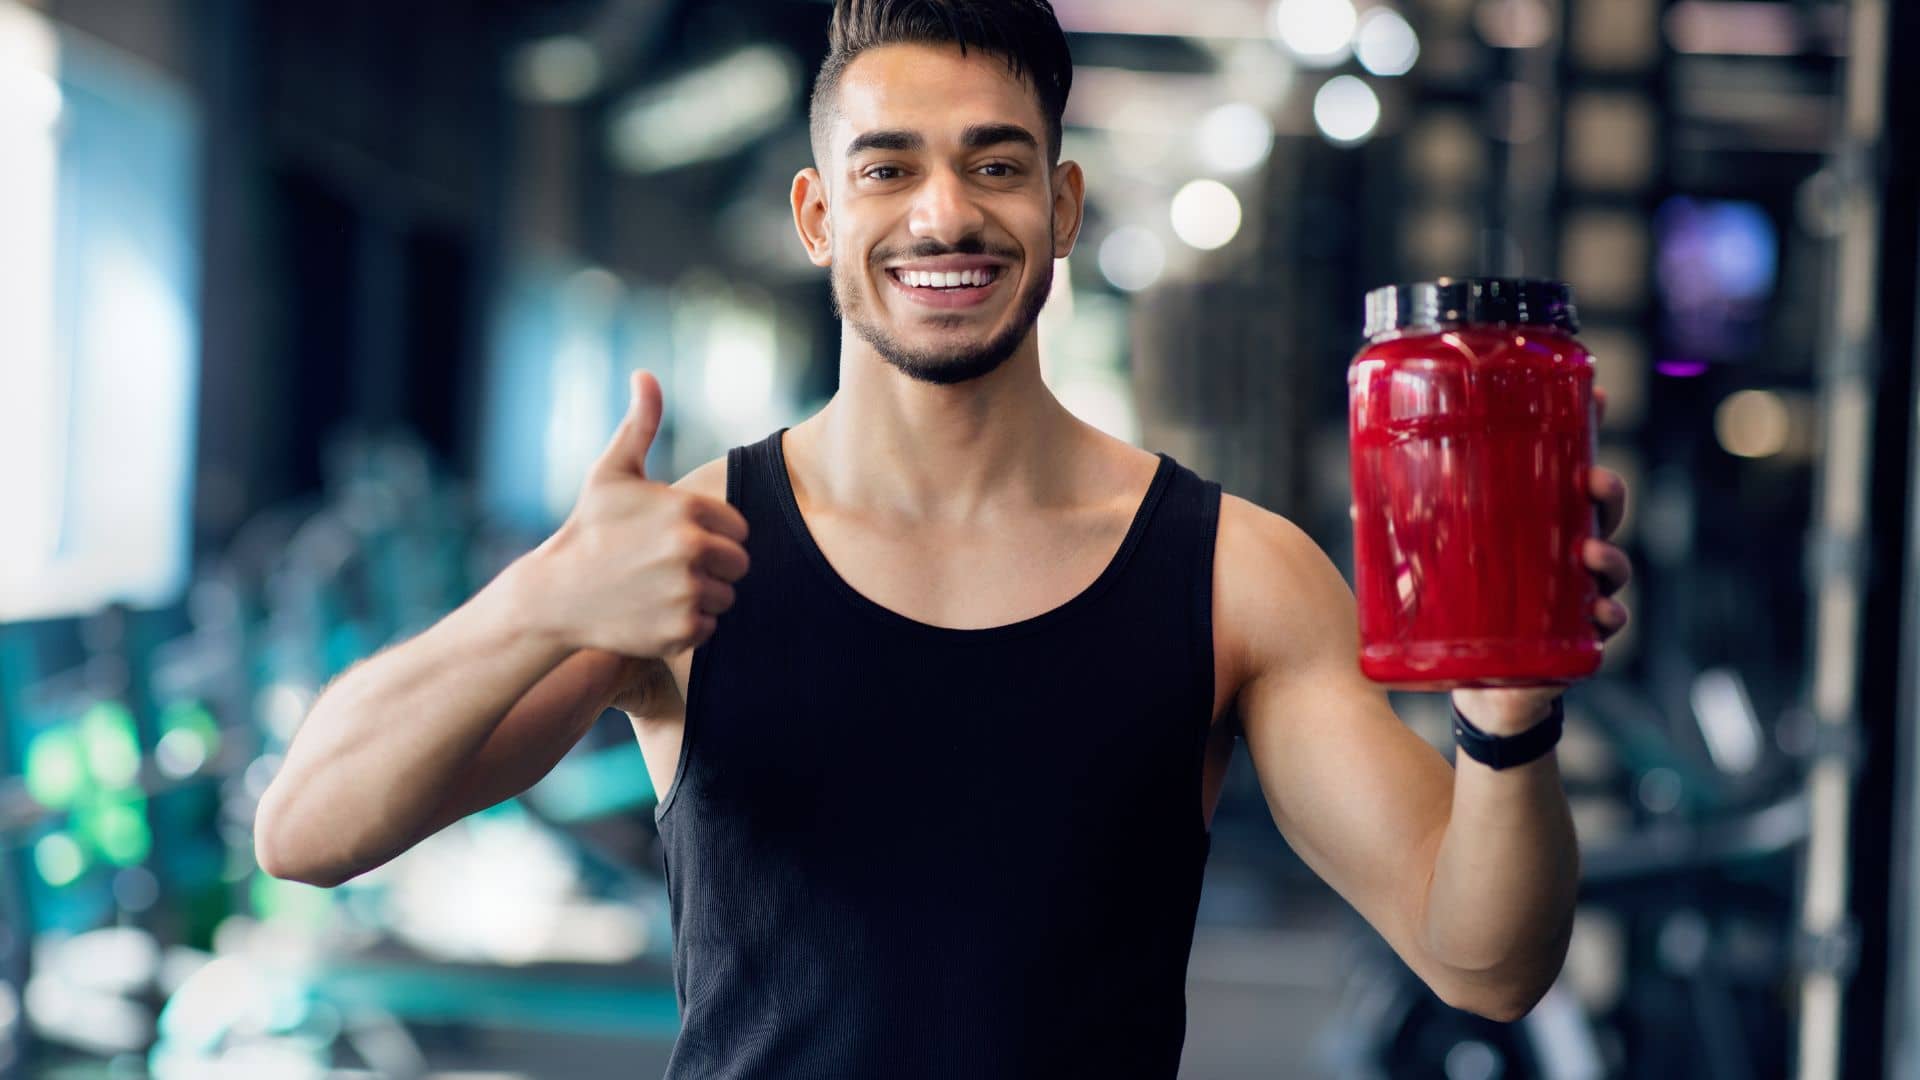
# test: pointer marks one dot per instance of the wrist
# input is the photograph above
(1499, 751)
(1504, 713)
(520, 599)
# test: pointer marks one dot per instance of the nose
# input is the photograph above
(944, 210)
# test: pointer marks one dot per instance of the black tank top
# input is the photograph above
(907, 852)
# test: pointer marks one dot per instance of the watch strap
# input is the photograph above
(1507, 751)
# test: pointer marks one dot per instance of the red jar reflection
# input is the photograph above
(1471, 444)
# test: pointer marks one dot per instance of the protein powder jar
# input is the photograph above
(1471, 424)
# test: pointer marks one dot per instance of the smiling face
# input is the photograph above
(938, 212)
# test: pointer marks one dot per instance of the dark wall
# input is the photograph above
(354, 175)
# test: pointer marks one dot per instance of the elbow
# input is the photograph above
(275, 864)
(1505, 1004)
(278, 859)
(1506, 992)
(1507, 1010)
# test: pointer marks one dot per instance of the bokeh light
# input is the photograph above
(559, 70)
(59, 859)
(1513, 24)
(1132, 258)
(112, 749)
(1206, 214)
(1386, 44)
(1752, 424)
(1346, 110)
(1235, 138)
(56, 771)
(1318, 32)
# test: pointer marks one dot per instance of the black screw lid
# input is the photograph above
(1466, 301)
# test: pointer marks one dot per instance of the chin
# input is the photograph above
(961, 347)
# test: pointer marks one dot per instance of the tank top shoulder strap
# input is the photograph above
(1172, 570)
(753, 488)
(757, 486)
(1179, 537)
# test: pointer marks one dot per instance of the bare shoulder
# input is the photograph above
(709, 479)
(1279, 601)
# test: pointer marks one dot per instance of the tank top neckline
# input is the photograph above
(803, 536)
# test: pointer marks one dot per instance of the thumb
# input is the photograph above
(626, 453)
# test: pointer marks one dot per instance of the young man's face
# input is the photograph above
(936, 164)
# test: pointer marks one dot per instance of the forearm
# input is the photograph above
(386, 742)
(1505, 877)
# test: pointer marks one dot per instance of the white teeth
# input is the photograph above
(927, 279)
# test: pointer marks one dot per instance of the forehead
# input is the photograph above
(931, 89)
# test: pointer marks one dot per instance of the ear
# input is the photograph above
(811, 218)
(1069, 206)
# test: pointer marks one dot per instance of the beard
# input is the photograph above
(948, 366)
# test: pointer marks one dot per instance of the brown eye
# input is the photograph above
(874, 173)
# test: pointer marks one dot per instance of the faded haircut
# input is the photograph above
(1024, 33)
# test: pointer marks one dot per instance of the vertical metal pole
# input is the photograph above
(1903, 937)
(1847, 374)
(1887, 988)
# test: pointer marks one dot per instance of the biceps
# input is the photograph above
(1361, 798)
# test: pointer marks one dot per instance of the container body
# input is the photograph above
(1471, 448)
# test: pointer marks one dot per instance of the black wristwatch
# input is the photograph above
(1506, 751)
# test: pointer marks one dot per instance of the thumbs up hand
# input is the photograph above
(639, 568)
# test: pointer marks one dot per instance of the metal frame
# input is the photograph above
(1839, 1010)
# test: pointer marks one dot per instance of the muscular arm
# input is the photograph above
(388, 754)
(1469, 874)
(473, 711)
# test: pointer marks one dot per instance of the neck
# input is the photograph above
(938, 453)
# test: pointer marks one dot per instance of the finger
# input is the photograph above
(722, 559)
(1610, 491)
(626, 452)
(1609, 564)
(714, 597)
(1610, 617)
(719, 516)
(1599, 404)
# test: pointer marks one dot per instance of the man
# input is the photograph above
(937, 771)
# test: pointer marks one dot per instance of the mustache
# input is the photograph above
(933, 249)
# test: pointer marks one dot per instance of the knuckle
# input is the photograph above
(690, 541)
(685, 590)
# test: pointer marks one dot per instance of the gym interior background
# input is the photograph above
(314, 314)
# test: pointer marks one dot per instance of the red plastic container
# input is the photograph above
(1472, 434)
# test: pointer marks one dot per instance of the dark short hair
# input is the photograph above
(1024, 33)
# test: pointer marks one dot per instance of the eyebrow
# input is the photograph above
(975, 137)
(983, 135)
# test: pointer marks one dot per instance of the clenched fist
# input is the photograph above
(639, 568)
